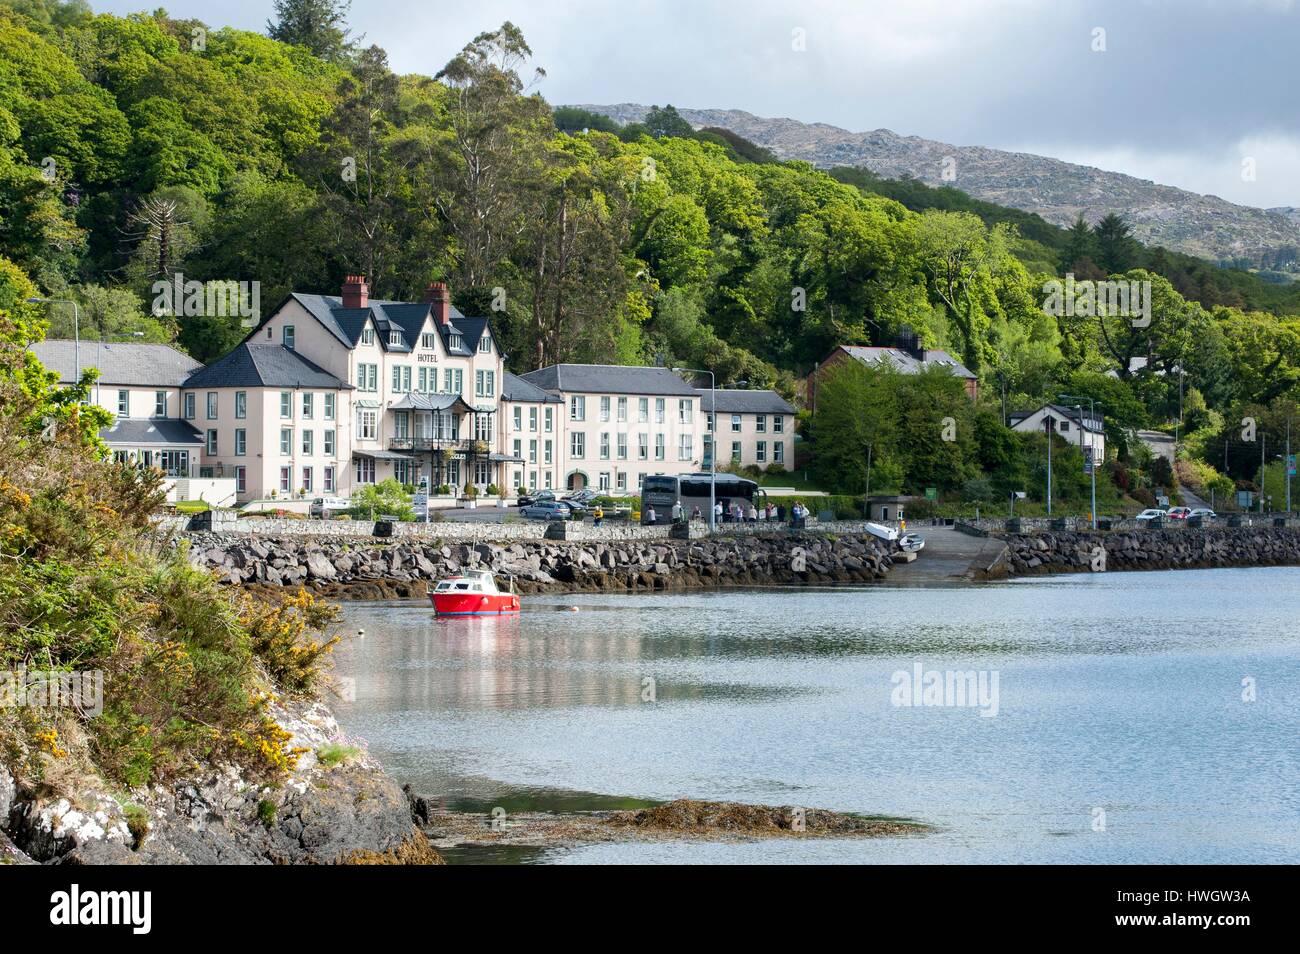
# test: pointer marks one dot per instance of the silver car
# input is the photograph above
(545, 510)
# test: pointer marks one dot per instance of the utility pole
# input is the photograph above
(1287, 464)
(76, 327)
(1049, 428)
(1263, 469)
(1092, 457)
(713, 440)
(866, 500)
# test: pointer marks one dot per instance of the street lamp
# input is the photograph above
(1092, 458)
(76, 325)
(713, 439)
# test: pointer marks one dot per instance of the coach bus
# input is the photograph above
(660, 491)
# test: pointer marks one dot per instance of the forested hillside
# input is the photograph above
(136, 148)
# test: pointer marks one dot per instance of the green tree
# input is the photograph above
(318, 25)
(1117, 250)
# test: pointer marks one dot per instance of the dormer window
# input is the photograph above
(368, 336)
(288, 337)
(426, 340)
(395, 338)
(455, 343)
(485, 345)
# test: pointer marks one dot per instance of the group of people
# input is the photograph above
(741, 511)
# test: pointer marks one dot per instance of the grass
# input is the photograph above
(798, 479)
(334, 754)
(192, 506)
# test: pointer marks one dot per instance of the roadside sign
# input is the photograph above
(1290, 465)
(1087, 463)
(1245, 499)
(931, 493)
(421, 504)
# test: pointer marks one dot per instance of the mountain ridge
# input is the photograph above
(1207, 226)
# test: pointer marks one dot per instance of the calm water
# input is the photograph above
(1116, 692)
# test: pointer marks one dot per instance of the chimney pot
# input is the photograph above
(437, 296)
(356, 293)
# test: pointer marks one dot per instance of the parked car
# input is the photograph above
(583, 498)
(326, 507)
(1150, 513)
(536, 497)
(1179, 513)
(546, 510)
(1205, 513)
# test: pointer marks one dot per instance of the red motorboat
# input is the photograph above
(473, 593)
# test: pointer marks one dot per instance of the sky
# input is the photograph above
(1198, 94)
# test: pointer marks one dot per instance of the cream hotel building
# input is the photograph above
(332, 392)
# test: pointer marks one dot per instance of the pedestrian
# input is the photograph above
(597, 515)
(753, 514)
(717, 512)
(677, 511)
(650, 515)
(695, 514)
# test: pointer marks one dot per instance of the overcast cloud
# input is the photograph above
(1184, 91)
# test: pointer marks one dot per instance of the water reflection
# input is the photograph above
(1118, 690)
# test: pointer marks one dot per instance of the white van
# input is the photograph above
(326, 507)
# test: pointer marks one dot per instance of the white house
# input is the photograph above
(1073, 424)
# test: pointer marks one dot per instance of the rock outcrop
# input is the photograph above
(345, 812)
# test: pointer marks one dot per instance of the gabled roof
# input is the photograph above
(407, 317)
(738, 401)
(1061, 412)
(264, 366)
(126, 363)
(162, 431)
(515, 388)
(908, 363)
(609, 379)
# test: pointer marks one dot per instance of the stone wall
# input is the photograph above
(1183, 548)
(370, 570)
(472, 530)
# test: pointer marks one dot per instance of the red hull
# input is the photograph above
(475, 604)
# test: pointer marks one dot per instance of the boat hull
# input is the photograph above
(474, 604)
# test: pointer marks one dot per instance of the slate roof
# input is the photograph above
(515, 388)
(738, 401)
(406, 317)
(1060, 411)
(908, 363)
(162, 431)
(264, 366)
(609, 379)
(119, 362)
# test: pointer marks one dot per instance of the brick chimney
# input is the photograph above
(356, 293)
(436, 294)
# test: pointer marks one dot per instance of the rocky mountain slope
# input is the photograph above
(1202, 225)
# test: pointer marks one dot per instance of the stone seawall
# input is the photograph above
(1071, 552)
(402, 568)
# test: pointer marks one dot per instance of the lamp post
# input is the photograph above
(1092, 458)
(76, 325)
(713, 440)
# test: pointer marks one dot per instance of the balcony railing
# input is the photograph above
(422, 443)
(468, 446)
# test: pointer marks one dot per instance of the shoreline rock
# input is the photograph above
(346, 813)
(371, 570)
(1182, 549)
